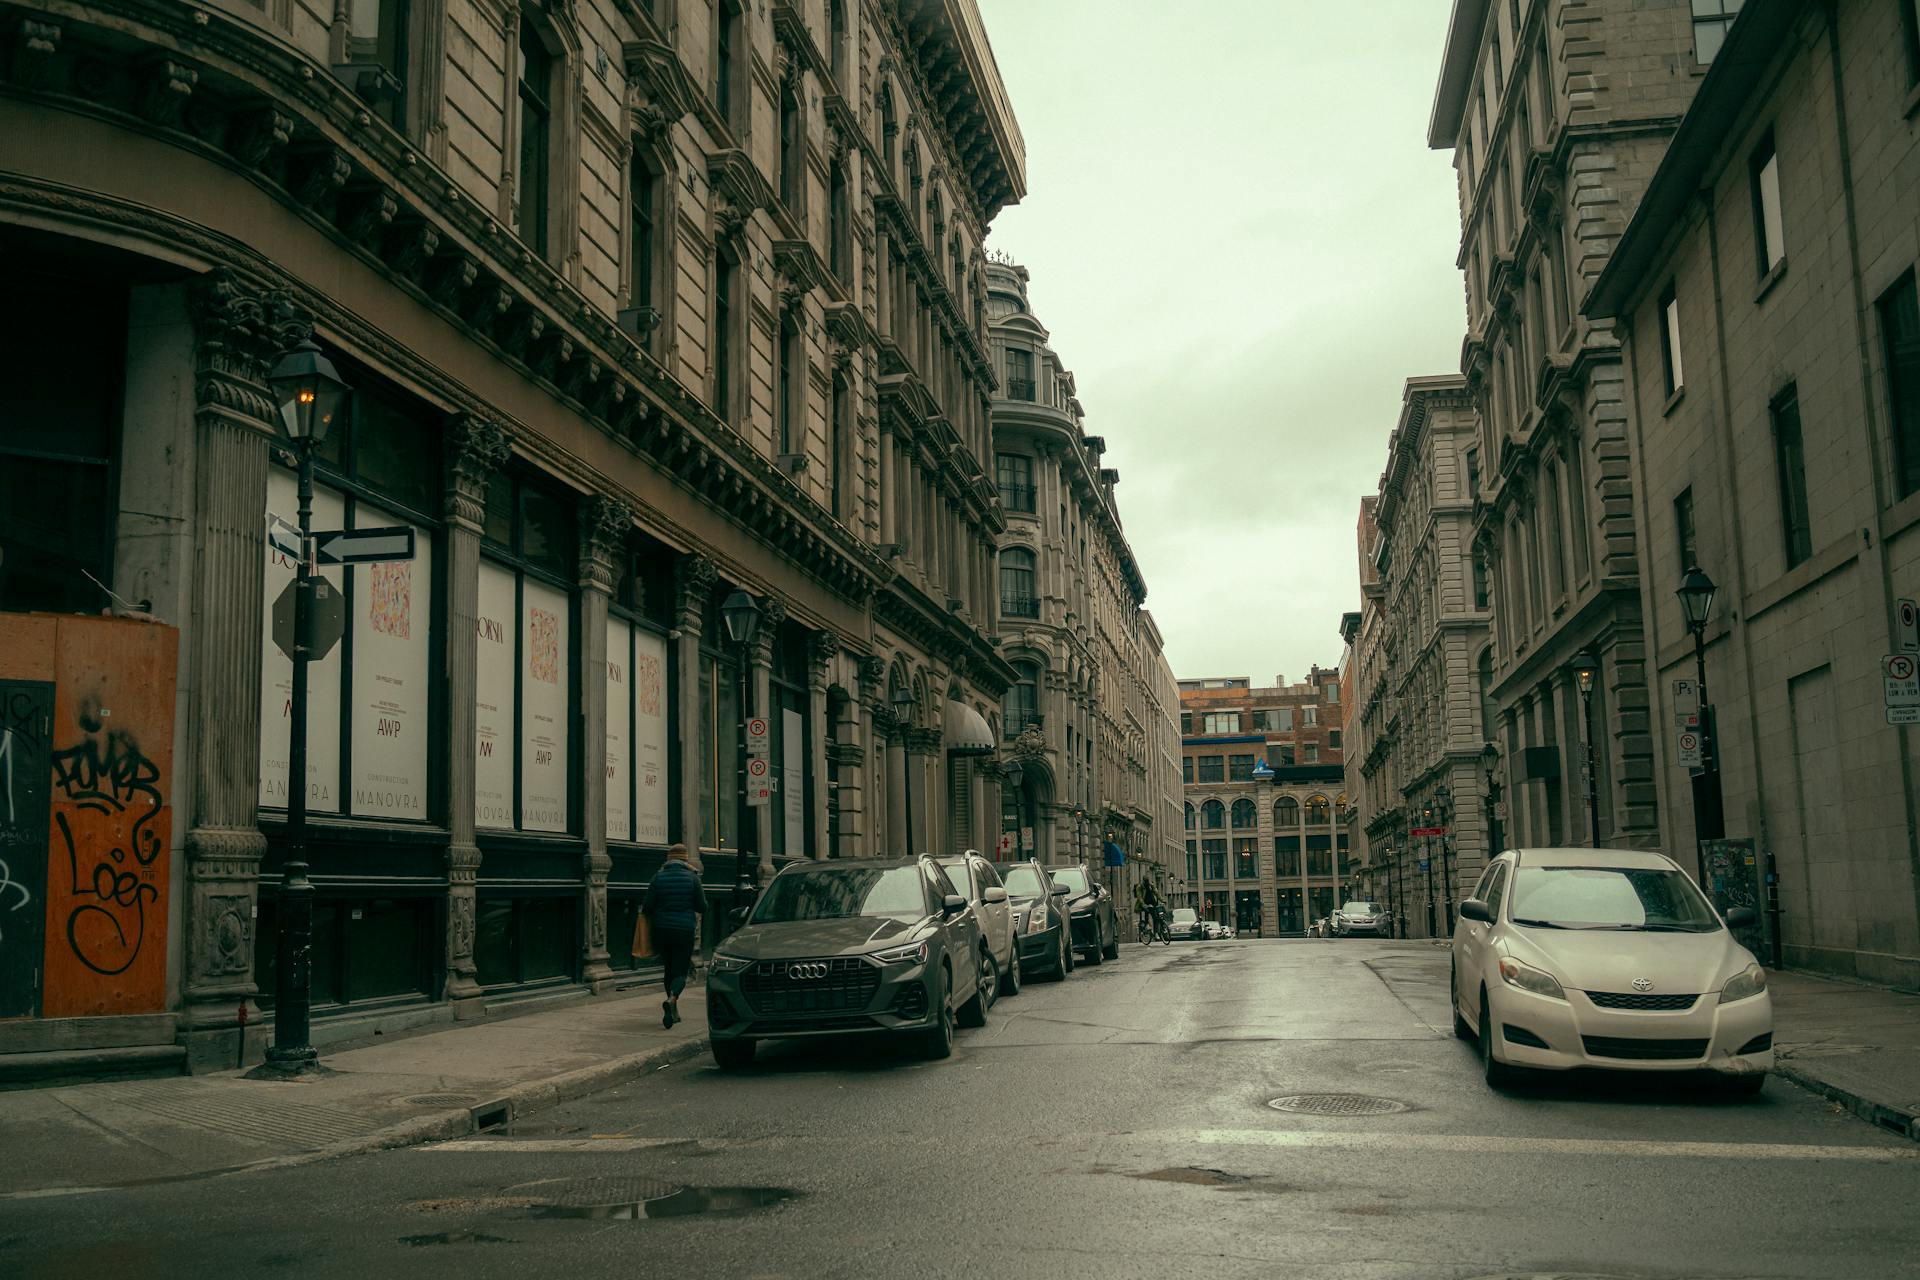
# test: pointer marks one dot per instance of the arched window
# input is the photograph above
(913, 181)
(1286, 812)
(887, 127)
(1023, 697)
(1317, 812)
(1244, 815)
(1213, 815)
(1017, 596)
(1189, 817)
(791, 140)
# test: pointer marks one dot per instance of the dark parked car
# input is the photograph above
(1040, 924)
(848, 947)
(1096, 930)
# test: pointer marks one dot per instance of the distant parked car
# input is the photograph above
(1041, 927)
(980, 885)
(1096, 930)
(1186, 926)
(1358, 918)
(1213, 927)
(839, 948)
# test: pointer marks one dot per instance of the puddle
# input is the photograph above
(683, 1203)
(454, 1237)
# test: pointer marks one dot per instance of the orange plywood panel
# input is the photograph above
(109, 859)
(26, 646)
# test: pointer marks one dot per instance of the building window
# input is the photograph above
(1190, 820)
(1900, 331)
(1333, 739)
(792, 378)
(1480, 598)
(1319, 813)
(1286, 812)
(1223, 722)
(1193, 862)
(1212, 769)
(1213, 814)
(725, 308)
(837, 451)
(1186, 722)
(1711, 18)
(1014, 472)
(1683, 529)
(837, 39)
(1019, 374)
(1215, 854)
(1769, 232)
(1790, 461)
(840, 245)
(1910, 37)
(888, 129)
(1286, 857)
(1240, 768)
(1246, 857)
(376, 65)
(1186, 769)
(1309, 717)
(1310, 754)
(1245, 816)
(726, 62)
(641, 764)
(1023, 698)
(1670, 341)
(1286, 755)
(642, 221)
(531, 192)
(791, 141)
(1017, 598)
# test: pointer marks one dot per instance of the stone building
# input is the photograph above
(1080, 717)
(1421, 700)
(1765, 291)
(641, 303)
(1265, 815)
(1556, 115)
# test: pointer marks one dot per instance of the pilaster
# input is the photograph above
(873, 758)
(604, 527)
(693, 579)
(772, 613)
(821, 646)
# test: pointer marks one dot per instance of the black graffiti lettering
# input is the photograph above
(106, 772)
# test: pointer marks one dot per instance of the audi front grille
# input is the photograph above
(1635, 1000)
(837, 984)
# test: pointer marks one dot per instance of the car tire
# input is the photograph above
(1747, 1086)
(936, 1042)
(733, 1055)
(1461, 1031)
(986, 986)
(1069, 958)
(1498, 1074)
(1093, 952)
(1010, 984)
(1112, 950)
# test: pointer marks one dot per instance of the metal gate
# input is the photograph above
(26, 773)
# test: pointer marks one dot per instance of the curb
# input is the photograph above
(1894, 1120)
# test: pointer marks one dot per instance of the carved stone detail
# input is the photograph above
(694, 579)
(821, 647)
(165, 88)
(34, 46)
(604, 527)
(257, 136)
(873, 673)
(476, 448)
(319, 182)
(240, 334)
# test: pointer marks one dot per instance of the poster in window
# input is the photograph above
(392, 603)
(494, 742)
(543, 708)
(619, 730)
(276, 668)
(650, 737)
(793, 782)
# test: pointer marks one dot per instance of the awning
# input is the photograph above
(966, 733)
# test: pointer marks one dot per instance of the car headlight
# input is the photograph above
(1749, 982)
(724, 963)
(912, 953)
(1528, 978)
(1037, 919)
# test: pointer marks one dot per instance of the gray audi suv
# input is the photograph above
(841, 948)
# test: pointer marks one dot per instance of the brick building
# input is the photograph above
(1765, 290)
(1265, 811)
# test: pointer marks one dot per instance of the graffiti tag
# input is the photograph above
(106, 773)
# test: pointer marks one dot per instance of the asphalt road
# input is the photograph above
(1114, 1125)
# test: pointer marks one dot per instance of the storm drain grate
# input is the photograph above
(440, 1100)
(1337, 1104)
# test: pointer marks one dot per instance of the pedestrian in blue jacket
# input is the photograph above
(672, 908)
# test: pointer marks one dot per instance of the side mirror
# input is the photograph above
(1059, 890)
(953, 904)
(1474, 909)
(1742, 918)
(995, 893)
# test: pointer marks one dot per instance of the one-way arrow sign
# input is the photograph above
(363, 546)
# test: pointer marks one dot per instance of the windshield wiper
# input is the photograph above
(1539, 924)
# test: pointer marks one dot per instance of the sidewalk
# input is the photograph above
(419, 1087)
(1858, 1045)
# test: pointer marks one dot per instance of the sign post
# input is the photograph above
(1902, 687)
(759, 783)
(1906, 626)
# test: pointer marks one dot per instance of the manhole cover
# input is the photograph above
(440, 1100)
(1337, 1104)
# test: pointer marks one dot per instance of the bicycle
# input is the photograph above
(1153, 928)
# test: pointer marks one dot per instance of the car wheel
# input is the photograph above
(1068, 957)
(986, 985)
(732, 1055)
(936, 1041)
(1461, 1030)
(1112, 951)
(1498, 1074)
(1093, 952)
(1011, 986)
(1747, 1086)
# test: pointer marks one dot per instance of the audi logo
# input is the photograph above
(1643, 984)
(810, 969)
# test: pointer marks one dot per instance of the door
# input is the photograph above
(1474, 940)
(26, 773)
(996, 916)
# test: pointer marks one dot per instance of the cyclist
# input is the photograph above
(1153, 914)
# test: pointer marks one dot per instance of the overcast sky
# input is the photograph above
(1242, 247)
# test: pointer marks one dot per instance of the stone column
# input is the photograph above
(694, 582)
(476, 447)
(821, 646)
(873, 758)
(895, 839)
(603, 538)
(773, 612)
(889, 531)
(238, 334)
(921, 746)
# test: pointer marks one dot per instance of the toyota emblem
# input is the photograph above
(1643, 984)
(810, 969)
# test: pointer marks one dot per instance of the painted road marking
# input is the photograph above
(545, 1146)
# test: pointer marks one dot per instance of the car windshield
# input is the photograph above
(1073, 877)
(1024, 882)
(961, 874)
(1655, 899)
(1357, 909)
(840, 893)
(1185, 915)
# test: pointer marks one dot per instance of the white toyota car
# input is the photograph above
(1608, 958)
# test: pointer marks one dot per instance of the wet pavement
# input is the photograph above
(1125, 1122)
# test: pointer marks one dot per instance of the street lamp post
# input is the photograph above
(740, 614)
(1586, 669)
(1426, 861)
(1490, 762)
(902, 699)
(1696, 593)
(310, 395)
(1443, 799)
(1013, 773)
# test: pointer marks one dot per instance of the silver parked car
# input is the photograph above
(980, 885)
(1359, 919)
